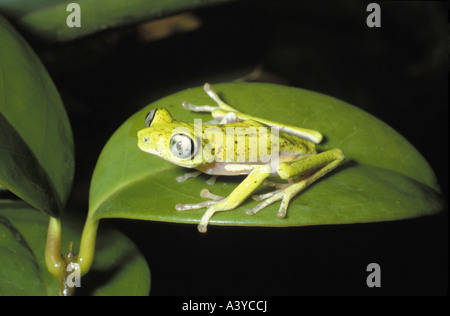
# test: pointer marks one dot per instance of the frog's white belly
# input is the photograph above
(243, 168)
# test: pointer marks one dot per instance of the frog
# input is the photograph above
(208, 148)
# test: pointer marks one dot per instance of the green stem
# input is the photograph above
(87, 245)
(53, 257)
(66, 289)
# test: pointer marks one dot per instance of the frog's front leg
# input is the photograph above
(204, 194)
(221, 105)
(221, 113)
(239, 194)
(188, 175)
(256, 176)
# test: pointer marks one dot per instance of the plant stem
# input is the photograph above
(87, 245)
(66, 286)
(53, 257)
(57, 263)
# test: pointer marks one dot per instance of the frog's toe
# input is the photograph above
(198, 108)
(211, 181)
(206, 194)
(265, 195)
(202, 228)
(270, 198)
(283, 209)
(184, 207)
(284, 195)
(187, 176)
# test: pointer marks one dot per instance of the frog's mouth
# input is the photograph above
(143, 144)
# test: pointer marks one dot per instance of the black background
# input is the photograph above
(397, 72)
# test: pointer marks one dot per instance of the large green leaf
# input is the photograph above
(36, 145)
(383, 178)
(118, 269)
(47, 18)
(20, 273)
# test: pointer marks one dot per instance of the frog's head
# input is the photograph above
(169, 139)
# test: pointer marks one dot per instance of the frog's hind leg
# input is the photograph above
(312, 169)
(284, 194)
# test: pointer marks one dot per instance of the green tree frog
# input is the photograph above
(233, 144)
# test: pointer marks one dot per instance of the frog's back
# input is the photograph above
(248, 148)
(292, 147)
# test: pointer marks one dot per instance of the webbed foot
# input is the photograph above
(285, 192)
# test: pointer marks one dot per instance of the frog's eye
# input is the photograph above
(182, 146)
(149, 117)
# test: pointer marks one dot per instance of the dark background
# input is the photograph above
(397, 72)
